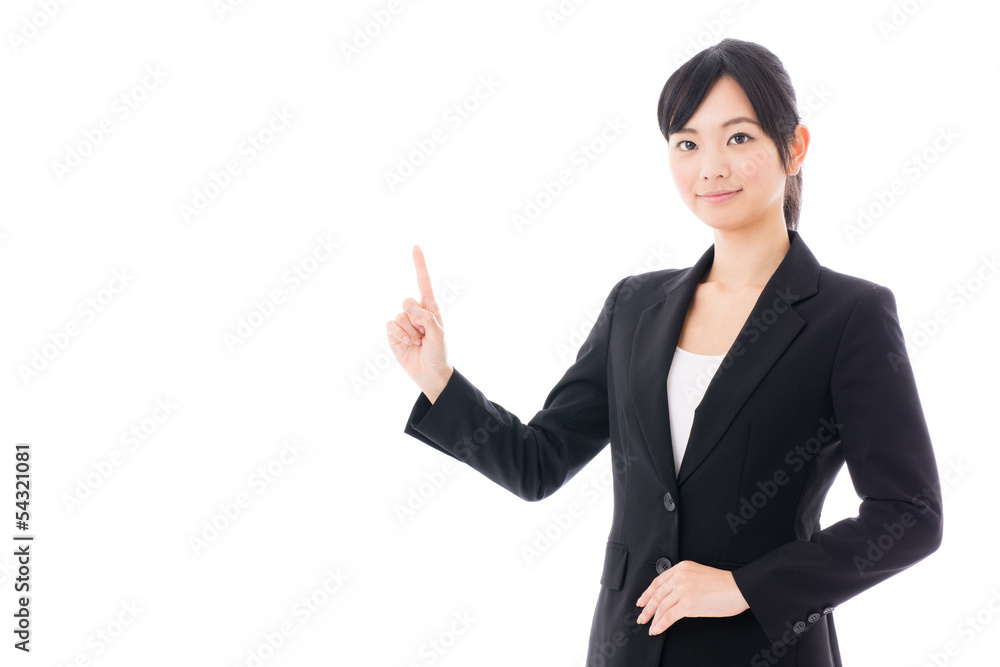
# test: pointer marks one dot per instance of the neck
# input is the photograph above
(747, 256)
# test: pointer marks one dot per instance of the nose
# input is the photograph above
(715, 166)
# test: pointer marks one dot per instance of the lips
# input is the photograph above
(720, 197)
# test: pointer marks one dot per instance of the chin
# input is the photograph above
(724, 221)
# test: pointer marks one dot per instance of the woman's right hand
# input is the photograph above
(416, 336)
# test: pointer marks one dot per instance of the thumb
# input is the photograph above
(423, 318)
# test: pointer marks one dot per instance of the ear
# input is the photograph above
(798, 145)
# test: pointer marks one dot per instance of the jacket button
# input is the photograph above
(828, 610)
(662, 564)
(799, 626)
(668, 502)
(813, 617)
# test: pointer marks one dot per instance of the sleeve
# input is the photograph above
(887, 449)
(530, 460)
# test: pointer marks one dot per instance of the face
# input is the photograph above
(722, 149)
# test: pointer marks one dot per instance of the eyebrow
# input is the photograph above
(731, 121)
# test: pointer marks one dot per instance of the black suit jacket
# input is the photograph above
(819, 375)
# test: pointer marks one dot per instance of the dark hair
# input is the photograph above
(767, 85)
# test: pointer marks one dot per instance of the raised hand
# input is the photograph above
(416, 336)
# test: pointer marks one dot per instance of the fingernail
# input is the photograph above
(406, 339)
(411, 310)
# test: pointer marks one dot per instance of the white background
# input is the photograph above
(516, 304)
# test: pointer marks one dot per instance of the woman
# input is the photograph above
(715, 554)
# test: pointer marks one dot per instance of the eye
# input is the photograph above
(680, 143)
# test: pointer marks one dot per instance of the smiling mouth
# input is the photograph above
(721, 196)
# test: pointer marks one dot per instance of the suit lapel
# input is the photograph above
(767, 332)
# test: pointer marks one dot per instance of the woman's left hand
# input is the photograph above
(689, 589)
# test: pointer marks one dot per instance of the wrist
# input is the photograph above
(434, 388)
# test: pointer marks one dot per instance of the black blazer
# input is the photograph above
(819, 375)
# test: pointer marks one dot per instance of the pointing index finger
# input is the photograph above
(424, 281)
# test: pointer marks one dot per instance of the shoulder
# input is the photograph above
(868, 321)
(635, 292)
(649, 286)
(849, 292)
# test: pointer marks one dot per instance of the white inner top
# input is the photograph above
(687, 381)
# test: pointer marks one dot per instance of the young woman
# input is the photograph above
(715, 555)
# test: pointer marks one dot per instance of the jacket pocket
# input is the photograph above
(615, 557)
